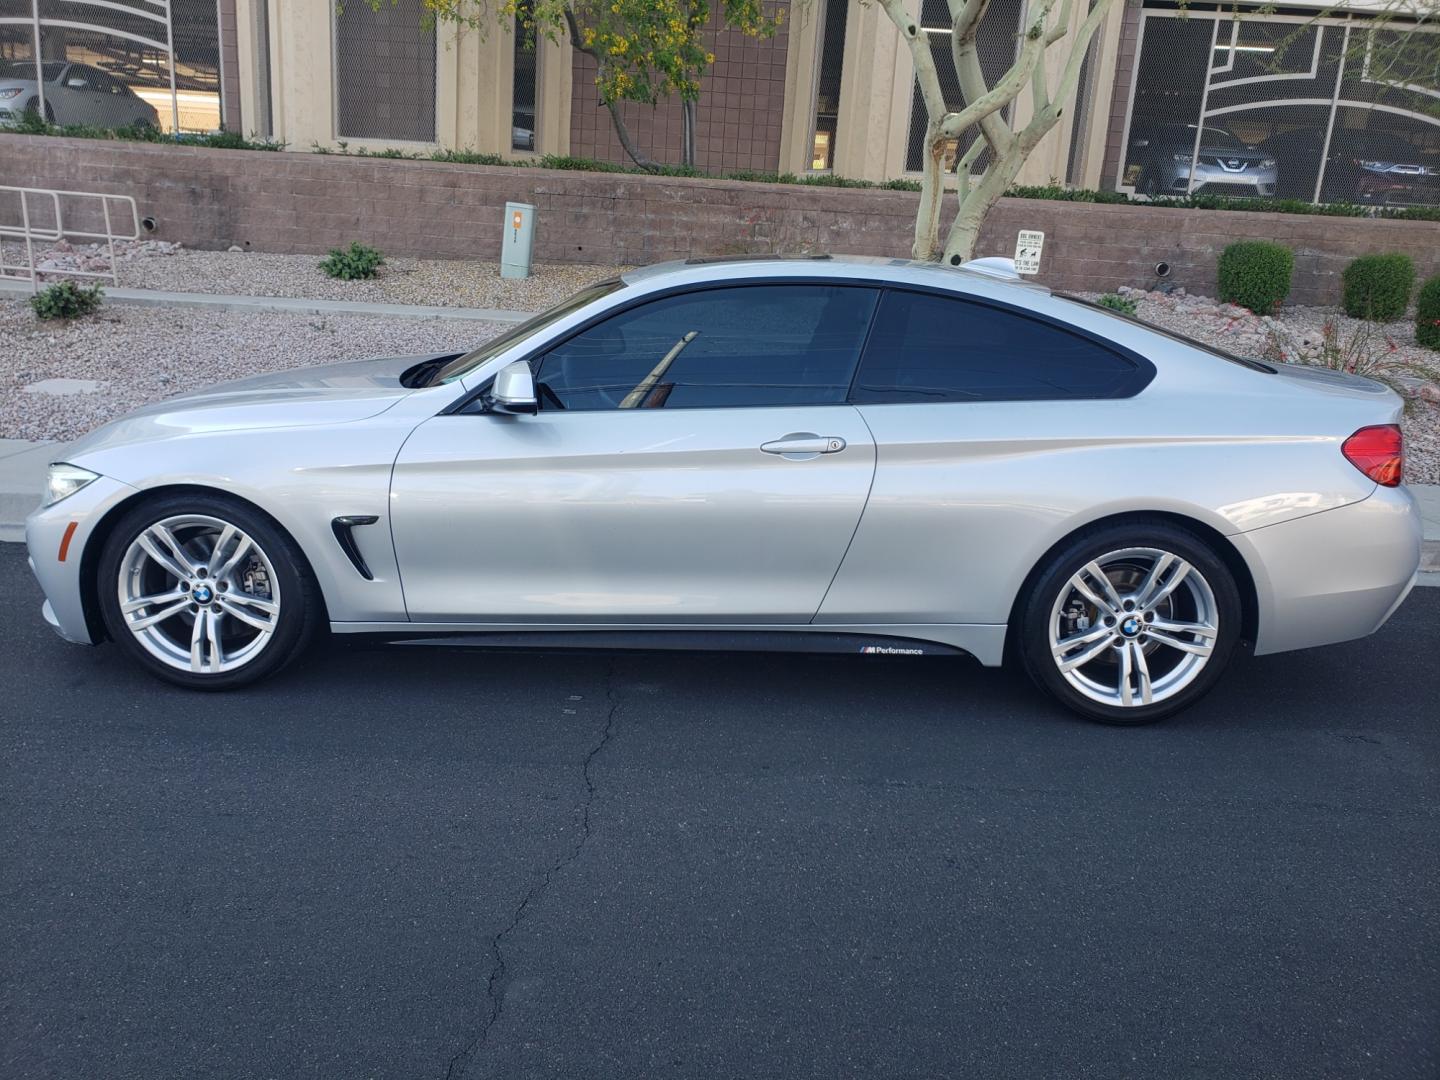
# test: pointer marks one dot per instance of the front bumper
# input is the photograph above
(45, 535)
(1256, 180)
(1333, 576)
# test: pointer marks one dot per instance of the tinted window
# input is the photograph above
(717, 348)
(935, 348)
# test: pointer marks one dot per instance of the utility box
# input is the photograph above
(518, 241)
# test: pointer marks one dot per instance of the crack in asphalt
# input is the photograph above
(494, 985)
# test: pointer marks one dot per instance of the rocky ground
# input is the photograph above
(155, 264)
(136, 355)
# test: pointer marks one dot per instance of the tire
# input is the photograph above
(1174, 619)
(258, 604)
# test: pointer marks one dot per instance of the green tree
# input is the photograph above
(645, 50)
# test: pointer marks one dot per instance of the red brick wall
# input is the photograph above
(300, 202)
(738, 117)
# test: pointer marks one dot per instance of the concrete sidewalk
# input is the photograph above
(22, 476)
(19, 290)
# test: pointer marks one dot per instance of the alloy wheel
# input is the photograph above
(1134, 627)
(199, 594)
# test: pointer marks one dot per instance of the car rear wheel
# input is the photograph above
(204, 592)
(1132, 623)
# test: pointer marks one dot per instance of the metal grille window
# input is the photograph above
(522, 132)
(998, 39)
(385, 62)
(827, 86)
(1281, 106)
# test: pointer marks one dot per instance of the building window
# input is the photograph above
(522, 123)
(827, 86)
(997, 42)
(1275, 106)
(385, 63)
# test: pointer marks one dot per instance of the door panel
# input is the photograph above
(647, 515)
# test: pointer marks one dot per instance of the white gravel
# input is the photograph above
(424, 282)
(1298, 332)
(139, 354)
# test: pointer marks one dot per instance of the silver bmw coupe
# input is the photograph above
(822, 454)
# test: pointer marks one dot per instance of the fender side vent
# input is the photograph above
(342, 527)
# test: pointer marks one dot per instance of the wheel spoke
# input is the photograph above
(159, 616)
(218, 551)
(1142, 673)
(1084, 657)
(1126, 663)
(1084, 637)
(161, 557)
(205, 652)
(147, 601)
(168, 539)
(1157, 571)
(1182, 570)
(1199, 648)
(248, 617)
(1112, 598)
(1175, 626)
(241, 550)
(267, 606)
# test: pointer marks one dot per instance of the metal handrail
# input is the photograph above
(29, 232)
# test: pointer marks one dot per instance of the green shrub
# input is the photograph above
(1427, 314)
(1116, 302)
(1255, 274)
(66, 300)
(352, 263)
(1378, 287)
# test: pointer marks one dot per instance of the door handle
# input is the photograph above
(800, 445)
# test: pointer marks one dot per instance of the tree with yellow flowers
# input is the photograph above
(645, 50)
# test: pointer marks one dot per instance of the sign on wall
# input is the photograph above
(1028, 246)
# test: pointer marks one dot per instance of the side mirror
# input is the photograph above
(77, 84)
(513, 391)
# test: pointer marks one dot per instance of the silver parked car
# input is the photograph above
(862, 455)
(74, 94)
(1170, 161)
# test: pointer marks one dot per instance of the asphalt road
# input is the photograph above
(410, 863)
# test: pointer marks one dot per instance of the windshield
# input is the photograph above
(463, 365)
(25, 69)
(1194, 343)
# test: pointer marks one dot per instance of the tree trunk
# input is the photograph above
(687, 136)
(577, 42)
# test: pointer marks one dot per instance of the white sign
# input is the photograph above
(1028, 246)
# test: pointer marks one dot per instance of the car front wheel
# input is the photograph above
(205, 592)
(1131, 623)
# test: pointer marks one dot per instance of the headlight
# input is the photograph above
(1268, 163)
(10, 92)
(65, 480)
(1181, 157)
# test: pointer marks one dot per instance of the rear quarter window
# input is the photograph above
(931, 347)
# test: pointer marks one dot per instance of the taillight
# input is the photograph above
(1378, 452)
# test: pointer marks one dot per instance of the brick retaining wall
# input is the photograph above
(303, 202)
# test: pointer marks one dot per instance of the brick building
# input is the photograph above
(1286, 103)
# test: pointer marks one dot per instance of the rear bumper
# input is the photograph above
(1336, 575)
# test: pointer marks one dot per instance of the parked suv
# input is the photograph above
(1391, 172)
(1224, 165)
(74, 94)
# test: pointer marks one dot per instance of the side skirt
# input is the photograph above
(985, 643)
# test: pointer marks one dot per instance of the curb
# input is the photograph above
(285, 304)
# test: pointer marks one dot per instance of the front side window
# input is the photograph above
(937, 348)
(754, 345)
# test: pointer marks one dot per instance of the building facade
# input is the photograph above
(1295, 102)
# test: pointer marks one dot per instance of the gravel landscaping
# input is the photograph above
(425, 282)
(138, 355)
